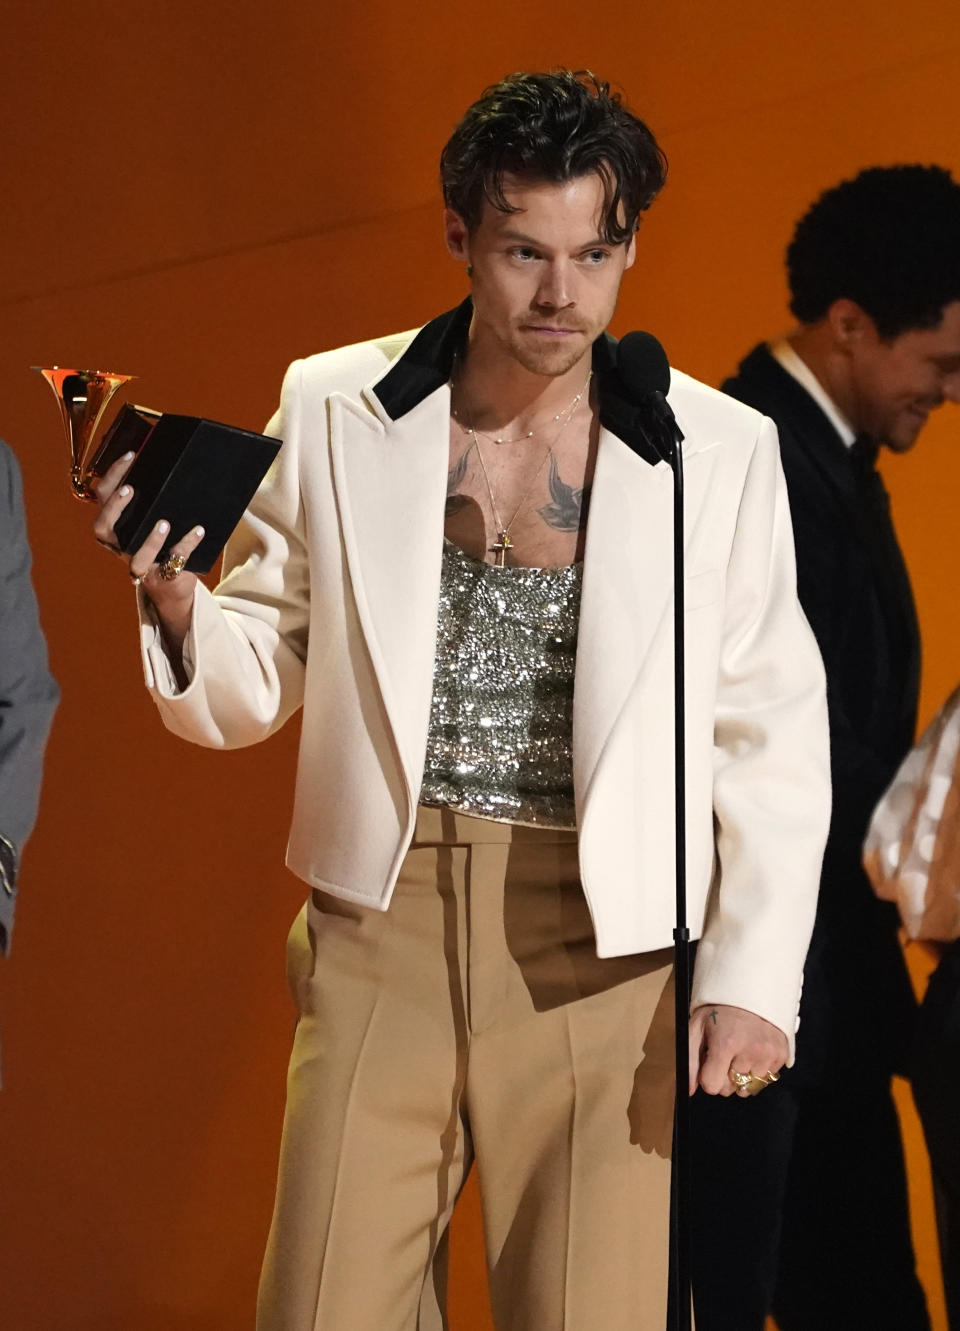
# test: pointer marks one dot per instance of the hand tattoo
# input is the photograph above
(569, 506)
(713, 1014)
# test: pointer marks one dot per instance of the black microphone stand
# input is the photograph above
(667, 441)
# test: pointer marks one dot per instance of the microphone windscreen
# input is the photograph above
(642, 364)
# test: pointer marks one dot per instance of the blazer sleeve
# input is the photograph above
(247, 645)
(771, 766)
(28, 694)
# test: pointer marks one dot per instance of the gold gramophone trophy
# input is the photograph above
(83, 397)
(184, 469)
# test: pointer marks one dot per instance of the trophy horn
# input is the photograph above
(83, 397)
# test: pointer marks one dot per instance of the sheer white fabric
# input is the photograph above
(912, 849)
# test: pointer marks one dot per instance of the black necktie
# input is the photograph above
(864, 452)
(875, 508)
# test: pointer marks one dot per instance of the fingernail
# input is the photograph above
(123, 491)
(163, 526)
(198, 531)
(128, 457)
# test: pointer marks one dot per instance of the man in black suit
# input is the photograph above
(874, 271)
(28, 694)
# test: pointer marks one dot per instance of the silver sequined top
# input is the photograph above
(501, 720)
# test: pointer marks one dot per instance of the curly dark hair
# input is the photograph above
(553, 127)
(888, 239)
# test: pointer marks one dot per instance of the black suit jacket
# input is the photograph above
(28, 694)
(854, 588)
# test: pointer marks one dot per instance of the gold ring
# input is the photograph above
(750, 1082)
(172, 568)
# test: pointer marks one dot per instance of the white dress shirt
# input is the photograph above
(798, 369)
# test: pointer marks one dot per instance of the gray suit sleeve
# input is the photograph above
(28, 693)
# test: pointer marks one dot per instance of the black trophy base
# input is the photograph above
(193, 473)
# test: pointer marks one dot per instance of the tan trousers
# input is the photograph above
(473, 1020)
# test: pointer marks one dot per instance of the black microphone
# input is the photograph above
(642, 364)
(644, 371)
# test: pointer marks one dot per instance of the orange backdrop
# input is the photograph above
(198, 194)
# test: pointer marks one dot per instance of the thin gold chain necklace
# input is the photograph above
(503, 542)
(518, 439)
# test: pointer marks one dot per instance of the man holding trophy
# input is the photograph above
(484, 807)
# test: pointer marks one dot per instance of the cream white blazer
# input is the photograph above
(329, 601)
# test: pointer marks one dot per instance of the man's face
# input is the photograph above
(898, 381)
(544, 282)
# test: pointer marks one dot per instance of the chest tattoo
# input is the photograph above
(568, 505)
(455, 476)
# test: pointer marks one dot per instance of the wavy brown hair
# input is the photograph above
(553, 127)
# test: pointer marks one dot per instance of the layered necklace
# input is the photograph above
(519, 439)
(503, 542)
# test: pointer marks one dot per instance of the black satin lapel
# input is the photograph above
(427, 362)
(619, 414)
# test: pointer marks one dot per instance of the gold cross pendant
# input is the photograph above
(501, 546)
